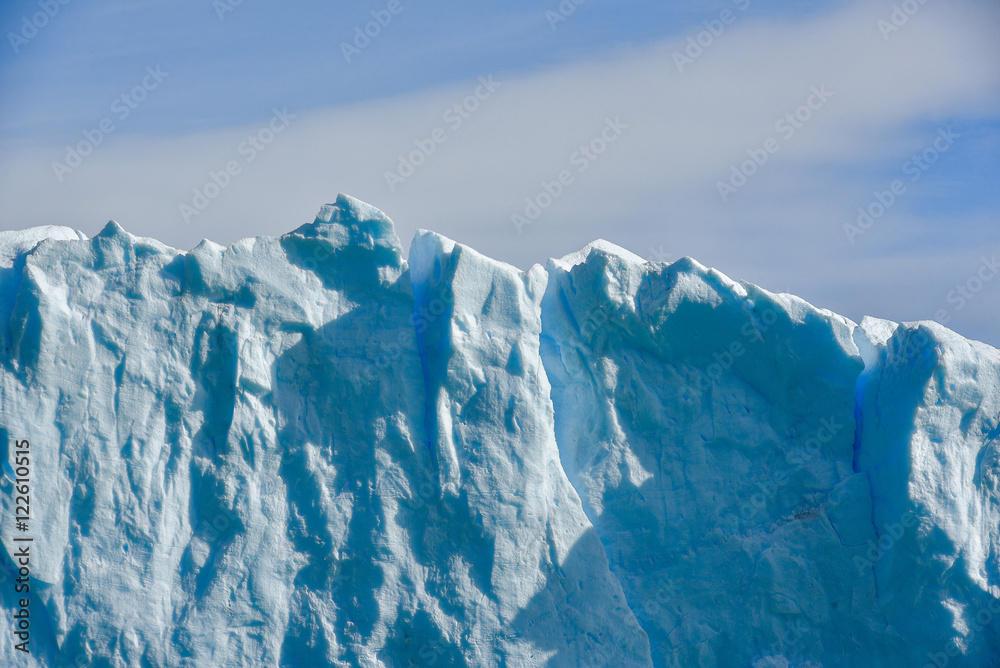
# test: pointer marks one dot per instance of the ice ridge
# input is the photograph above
(312, 450)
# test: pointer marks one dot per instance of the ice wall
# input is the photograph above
(710, 428)
(308, 450)
(930, 422)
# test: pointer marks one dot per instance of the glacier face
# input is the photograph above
(310, 450)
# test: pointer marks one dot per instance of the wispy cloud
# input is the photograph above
(655, 187)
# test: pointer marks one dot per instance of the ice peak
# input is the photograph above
(351, 222)
(349, 241)
(113, 229)
(600, 245)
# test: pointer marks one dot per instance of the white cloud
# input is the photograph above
(654, 186)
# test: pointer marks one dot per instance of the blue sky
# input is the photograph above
(686, 117)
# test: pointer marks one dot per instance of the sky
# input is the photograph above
(846, 152)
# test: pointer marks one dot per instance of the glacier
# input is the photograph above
(318, 450)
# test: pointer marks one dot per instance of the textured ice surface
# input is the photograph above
(310, 451)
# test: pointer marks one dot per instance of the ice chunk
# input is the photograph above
(929, 444)
(709, 427)
(871, 336)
